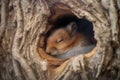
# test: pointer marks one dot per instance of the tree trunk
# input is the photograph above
(23, 28)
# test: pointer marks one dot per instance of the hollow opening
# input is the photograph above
(63, 41)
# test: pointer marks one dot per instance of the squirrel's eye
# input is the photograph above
(59, 40)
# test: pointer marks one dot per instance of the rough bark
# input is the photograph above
(23, 26)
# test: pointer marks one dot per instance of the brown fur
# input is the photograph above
(65, 40)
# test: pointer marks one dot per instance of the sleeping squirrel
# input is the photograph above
(66, 42)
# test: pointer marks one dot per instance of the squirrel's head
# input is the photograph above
(60, 39)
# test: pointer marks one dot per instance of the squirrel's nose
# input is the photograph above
(47, 50)
(50, 50)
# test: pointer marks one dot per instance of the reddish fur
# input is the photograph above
(69, 42)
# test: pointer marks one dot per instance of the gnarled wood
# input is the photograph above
(23, 28)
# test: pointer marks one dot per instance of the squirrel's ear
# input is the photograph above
(72, 27)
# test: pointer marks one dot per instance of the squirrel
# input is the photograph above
(66, 42)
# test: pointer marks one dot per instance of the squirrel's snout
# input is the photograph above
(51, 50)
(47, 50)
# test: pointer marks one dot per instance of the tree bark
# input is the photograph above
(23, 28)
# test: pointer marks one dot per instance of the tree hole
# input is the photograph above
(69, 37)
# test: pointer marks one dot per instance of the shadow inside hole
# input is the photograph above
(84, 27)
